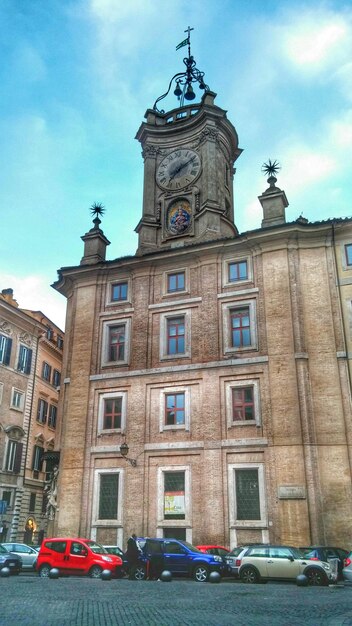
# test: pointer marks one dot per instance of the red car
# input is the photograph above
(212, 549)
(77, 557)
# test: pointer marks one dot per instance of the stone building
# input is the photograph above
(207, 378)
(30, 366)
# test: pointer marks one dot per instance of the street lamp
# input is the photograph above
(124, 452)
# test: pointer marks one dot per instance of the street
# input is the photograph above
(27, 600)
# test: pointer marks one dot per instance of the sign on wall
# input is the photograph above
(174, 503)
(291, 492)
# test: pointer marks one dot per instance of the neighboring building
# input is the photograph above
(23, 348)
(222, 359)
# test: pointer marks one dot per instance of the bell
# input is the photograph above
(190, 95)
(201, 85)
(178, 90)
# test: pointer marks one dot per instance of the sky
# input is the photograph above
(78, 75)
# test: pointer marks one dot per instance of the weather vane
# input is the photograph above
(97, 209)
(183, 89)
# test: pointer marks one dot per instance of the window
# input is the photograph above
(24, 360)
(60, 342)
(112, 413)
(240, 328)
(52, 416)
(119, 292)
(37, 461)
(32, 502)
(1, 391)
(108, 496)
(5, 349)
(13, 456)
(237, 271)
(243, 404)
(7, 497)
(247, 495)
(176, 335)
(46, 372)
(348, 252)
(174, 409)
(42, 411)
(116, 342)
(56, 378)
(17, 399)
(174, 495)
(49, 333)
(176, 282)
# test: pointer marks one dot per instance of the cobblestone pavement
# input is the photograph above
(32, 601)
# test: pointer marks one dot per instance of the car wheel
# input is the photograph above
(140, 573)
(95, 571)
(201, 573)
(249, 575)
(317, 577)
(44, 571)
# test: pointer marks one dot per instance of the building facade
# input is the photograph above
(222, 360)
(26, 430)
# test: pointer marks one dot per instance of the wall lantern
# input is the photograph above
(124, 452)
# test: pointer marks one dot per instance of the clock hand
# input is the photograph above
(180, 168)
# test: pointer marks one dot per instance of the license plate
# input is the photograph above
(12, 564)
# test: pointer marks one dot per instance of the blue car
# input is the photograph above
(178, 557)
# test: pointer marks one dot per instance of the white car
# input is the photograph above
(27, 553)
(347, 570)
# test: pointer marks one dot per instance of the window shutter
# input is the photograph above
(18, 456)
(41, 454)
(8, 351)
(29, 362)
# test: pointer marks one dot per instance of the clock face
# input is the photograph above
(178, 169)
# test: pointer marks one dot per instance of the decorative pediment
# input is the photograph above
(39, 438)
(25, 338)
(50, 443)
(5, 327)
(14, 432)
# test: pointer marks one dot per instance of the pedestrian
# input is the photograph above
(132, 554)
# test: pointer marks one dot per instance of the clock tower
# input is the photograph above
(189, 153)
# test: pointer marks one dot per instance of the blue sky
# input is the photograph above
(78, 75)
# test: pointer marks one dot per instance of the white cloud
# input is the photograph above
(34, 292)
(313, 41)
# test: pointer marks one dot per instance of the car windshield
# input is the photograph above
(297, 553)
(2, 549)
(190, 547)
(96, 547)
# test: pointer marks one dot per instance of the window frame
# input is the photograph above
(175, 273)
(56, 378)
(109, 291)
(46, 371)
(5, 354)
(227, 309)
(111, 395)
(242, 384)
(346, 246)
(13, 456)
(17, 392)
(42, 403)
(234, 522)
(161, 521)
(186, 391)
(52, 423)
(24, 363)
(226, 282)
(107, 325)
(164, 325)
(37, 458)
(96, 521)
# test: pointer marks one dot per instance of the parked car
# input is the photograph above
(233, 559)
(12, 561)
(178, 557)
(262, 563)
(27, 553)
(214, 549)
(76, 556)
(347, 569)
(118, 552)
(325, 553)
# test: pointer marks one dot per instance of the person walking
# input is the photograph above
(132, 554)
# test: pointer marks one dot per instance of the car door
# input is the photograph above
(175, 557)
(281, 563)
(77, 558)
(26, 553)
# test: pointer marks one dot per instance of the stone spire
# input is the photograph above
(273, 199)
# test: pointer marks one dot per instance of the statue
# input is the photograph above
(50, 491)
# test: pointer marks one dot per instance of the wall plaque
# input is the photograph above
(291, 492)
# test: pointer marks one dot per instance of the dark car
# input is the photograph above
(178, 557)
(326, 553)
(10, 560)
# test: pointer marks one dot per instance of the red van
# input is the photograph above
(76, 557)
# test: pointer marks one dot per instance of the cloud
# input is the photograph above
(315, 40)
(34, 292)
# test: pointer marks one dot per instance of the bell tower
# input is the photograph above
(189, 154)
